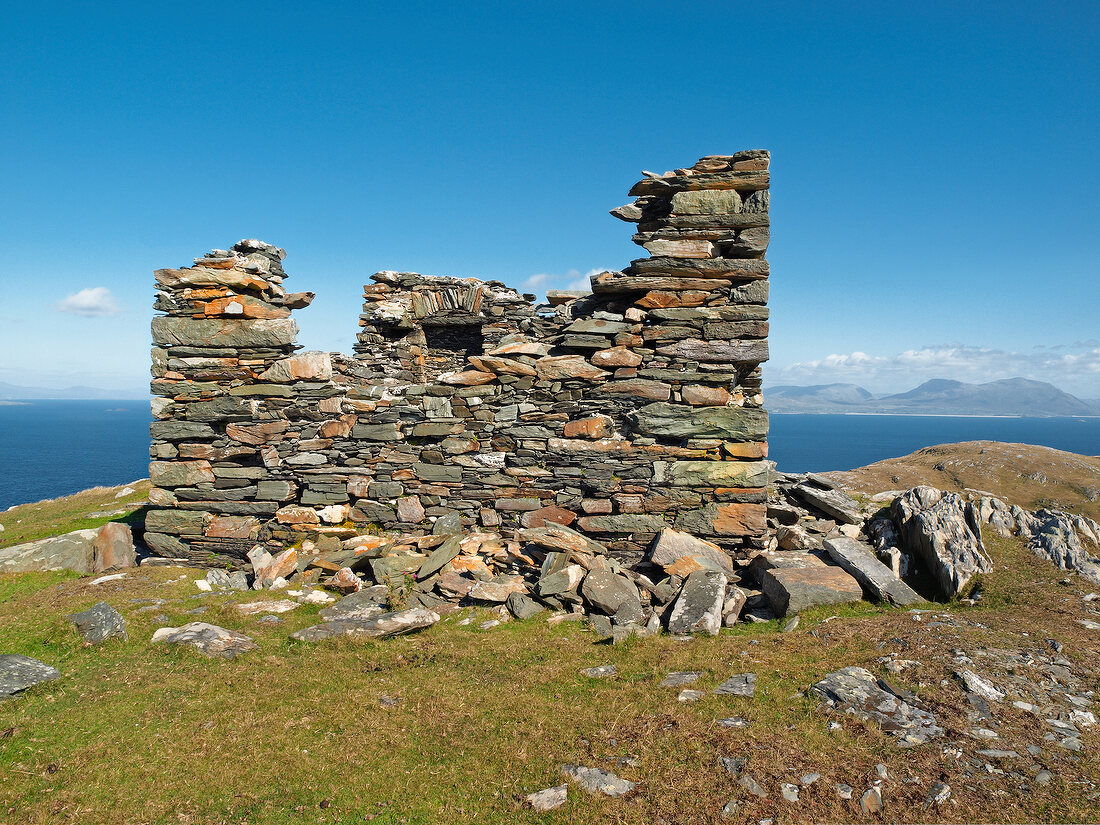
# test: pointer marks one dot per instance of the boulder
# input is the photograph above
(670, 545)
(72, 551)
(99, 623)
(95, 550)
(878, 580)
(1053, 536)
(210, 640)
(18, 673)
(612, 595)
(942, 529)
(114, 548)
(793, 587)
(376, 627)
(698, 609)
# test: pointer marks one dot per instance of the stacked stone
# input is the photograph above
(223, 369)
(704, 292)
(620, 412)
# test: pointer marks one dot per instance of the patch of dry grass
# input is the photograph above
(295, 733)
(1022, 474)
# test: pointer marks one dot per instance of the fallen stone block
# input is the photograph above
(699, 606)
(376, 627)
(793, 589)
(208, 639)
(833, 503)
(670, 545)
(860, 561)
(95, 550)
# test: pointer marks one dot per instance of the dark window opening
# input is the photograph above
(447, 347)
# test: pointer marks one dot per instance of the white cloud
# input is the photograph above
(94, 302)
(1074, 368)
(572, 280)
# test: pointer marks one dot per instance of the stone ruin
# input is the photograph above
(616, 412)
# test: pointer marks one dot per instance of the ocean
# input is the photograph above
(53, 448)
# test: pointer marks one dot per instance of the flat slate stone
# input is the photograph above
(99, 623)
(680, 678)
(208, 639)
(793, 589)
(21, 672)
(177, 331)
(714, 474)
(740, 684)
(699, 606)
(670, 545)
(376, 627)
(877, 579)
(678, 421)
(440, 557)
(833, 503)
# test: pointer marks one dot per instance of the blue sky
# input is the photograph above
(934, 167)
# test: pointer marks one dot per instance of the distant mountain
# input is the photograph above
(836, 397)
(1010, 396)
(12, 392)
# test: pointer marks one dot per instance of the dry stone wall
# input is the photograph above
(617, 412)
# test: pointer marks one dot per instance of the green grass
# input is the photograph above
(295, 733)
(90, 508)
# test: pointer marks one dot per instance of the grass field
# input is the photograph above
(90, 508)
(301, 733)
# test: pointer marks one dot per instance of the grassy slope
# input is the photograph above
(136, 733)
(1023, 474)
(90, 508)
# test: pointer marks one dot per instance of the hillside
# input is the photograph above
(395, 731)
(1010, 396)
(1021, 474)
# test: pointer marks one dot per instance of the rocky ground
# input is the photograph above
(979, 712)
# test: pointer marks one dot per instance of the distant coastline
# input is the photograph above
(1005, 398)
